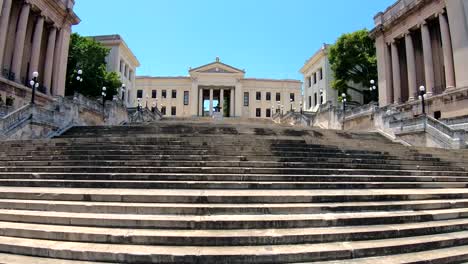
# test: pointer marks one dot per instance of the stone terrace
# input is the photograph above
(200, 192)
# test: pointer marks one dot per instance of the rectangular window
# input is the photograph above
(174, 94)
(258, 96)
(140, 94)
(315, 77)
(163, 94)
(268, 96)
(310, 101)
(309, 81)
(153, 94)
(321, 74)
(246, 99)
(173, 111)
(186, 97)
(315, 99)
(268, 112)
(163, 110)
(291, 97)
(278, 97)
(258, 112)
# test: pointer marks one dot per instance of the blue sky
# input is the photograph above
(267, 38)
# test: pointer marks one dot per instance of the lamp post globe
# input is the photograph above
(34, 85)
(422, 93)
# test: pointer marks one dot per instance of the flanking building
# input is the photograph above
(318, 78)
(34, 37)
(218, 89)
(122, 60)
(424, 43)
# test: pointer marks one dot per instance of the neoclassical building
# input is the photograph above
(122, 60)
(318, 78)
(34, 36)
(424, 43)
(218, 89)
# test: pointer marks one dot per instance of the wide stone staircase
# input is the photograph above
(194, 192)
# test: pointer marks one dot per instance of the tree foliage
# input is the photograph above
(89, 56)
(354, 63)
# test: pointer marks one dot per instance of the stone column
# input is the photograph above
(4, 20)
(36, 46)
(231, 105)
(412, 85)
(396, 74)
(428, 62)
(448, 52)
(221, 100)
(60, 57)
(211, 101)
(19, 41)
(389, 75)
(1, 7)
(49, 60)
(200, 102)
(193, 98)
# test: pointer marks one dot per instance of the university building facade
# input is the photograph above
(218, 89)
(34, 37)
(424, 43)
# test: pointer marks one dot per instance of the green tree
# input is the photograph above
(353, 61)
(89, 56)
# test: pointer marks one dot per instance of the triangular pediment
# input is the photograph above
(217, 67)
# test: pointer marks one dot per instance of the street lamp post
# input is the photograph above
(372, 89)
(291, 103)
(422, 93)
(147, 98)
(300, 107)
(104, 94)
(79, 80)
(34, 85)
(344, 100)
(139, 105)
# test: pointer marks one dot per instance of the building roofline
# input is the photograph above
(322, 50)
(272, 80)
(163, 77)
(216, 62)
(116, 38)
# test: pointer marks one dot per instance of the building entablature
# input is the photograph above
(59, 12)
(312, 61)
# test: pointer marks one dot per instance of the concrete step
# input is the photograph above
(226, 208)
(230, 221)
(233, 254)
(236, 237)
(228, 163)
(228, 196)
(19, 259)
(202, 177)
(236, 185)
(452, 255)
(234, 170)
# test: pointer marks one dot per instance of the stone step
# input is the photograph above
(234, 170)
(19, 259)
(226, 208)
(456, 254)
(228, 163)
(228, 196)
(221, 185)
(233, 254)
(257, 157)
(237, 237)
(201, 177)
(230, 221)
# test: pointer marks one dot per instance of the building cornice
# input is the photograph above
(322, 52)
(117, 40)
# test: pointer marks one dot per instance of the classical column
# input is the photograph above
(19, 41)
(200, 102)
(396, 74)
(211, 101)
(36, 46)
(49, 60)
(428, 62)
(448, 52)
(1, 7)
(389, 74)
(221, 101)
(411, 66)
(193, 98)
(4, 19)
(231, 104)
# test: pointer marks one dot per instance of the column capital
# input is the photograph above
(423, 23)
